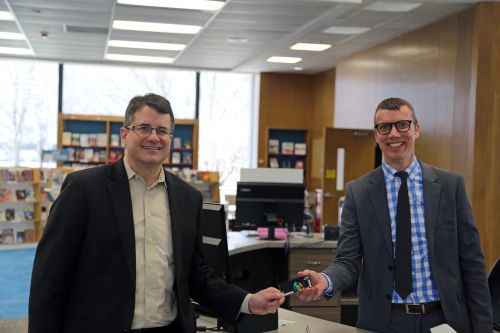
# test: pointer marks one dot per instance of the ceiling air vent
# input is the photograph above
(85, 30)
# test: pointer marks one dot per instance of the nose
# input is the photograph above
(153, 135)
(394, 131)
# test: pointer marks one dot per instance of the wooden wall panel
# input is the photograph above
(486, 192)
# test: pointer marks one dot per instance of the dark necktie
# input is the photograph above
(403, 239)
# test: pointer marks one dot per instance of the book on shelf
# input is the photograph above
(10, 214)
(274, 146)
(102, 140)
(20, 195)
(16, 175)
(8, 236)
(84, 140)
(187, 157)
(273, 162)
(29, 235)
(88, 155)
(287, 148)
(2, 215)
(28, 213)
(20, 237)
(187, 144)
(299, 164)
(115, 140)
(92, 139)
(176, 157)
(177, 143)
(7, 195)
(66, 138)
(300, 149)
(75, 139)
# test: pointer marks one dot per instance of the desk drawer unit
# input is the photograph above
(315, 259)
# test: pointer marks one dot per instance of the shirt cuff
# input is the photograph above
(244, 306)
(328, 291)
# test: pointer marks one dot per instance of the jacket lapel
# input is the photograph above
(175, 203)
(432, 192)
(119, 195)
(378, 197)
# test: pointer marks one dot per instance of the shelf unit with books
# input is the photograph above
(94, 140)
(287, 148)
(20, 205)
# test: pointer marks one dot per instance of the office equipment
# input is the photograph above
(269, 204)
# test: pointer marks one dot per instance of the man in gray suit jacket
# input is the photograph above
(446, 272)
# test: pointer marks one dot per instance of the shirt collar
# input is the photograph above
(131, 173)
(412, 170)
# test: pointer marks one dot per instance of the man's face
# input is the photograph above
(143, 150)
(397, 148)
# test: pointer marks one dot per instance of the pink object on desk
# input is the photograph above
(279, 233)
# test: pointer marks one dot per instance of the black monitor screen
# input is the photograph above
(263, 204)
(214, 239)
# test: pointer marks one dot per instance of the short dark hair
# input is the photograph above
(157, 102)
(394, 103)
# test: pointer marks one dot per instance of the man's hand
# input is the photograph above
(265, 301)
(319, 284)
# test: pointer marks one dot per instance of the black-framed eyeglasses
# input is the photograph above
(147, 130)
(401, 125)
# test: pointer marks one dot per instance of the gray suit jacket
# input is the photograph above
(365, 250)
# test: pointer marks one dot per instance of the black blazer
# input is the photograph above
(84, 272)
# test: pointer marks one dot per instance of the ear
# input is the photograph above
(417, 130)
(123, 135)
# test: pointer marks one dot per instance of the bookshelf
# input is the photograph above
(287, 148)
(94, 140)
(20, 206)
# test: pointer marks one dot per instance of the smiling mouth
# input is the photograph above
(395, 144)
(151, 148)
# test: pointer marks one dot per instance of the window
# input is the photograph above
(28, 111)
(106, 90)
(226, 126)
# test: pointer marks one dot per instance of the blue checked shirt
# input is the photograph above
(424, 286)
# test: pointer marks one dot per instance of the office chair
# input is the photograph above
(494, 285)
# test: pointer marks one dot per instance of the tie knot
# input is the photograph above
(401, 174)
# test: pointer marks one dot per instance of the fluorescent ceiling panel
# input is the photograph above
(16, 50)
(6, 16)
(285, 60)
(156, 27)
(136, 58)
(395, 7)
(310, 47)
(146, 45)
(180, 4)
(337, 30)
(11, 35)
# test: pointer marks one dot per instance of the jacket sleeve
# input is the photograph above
(55, 259)
(472, 264)
(344, 270)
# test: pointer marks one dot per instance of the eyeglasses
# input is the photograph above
(401, 125)
(147, 130)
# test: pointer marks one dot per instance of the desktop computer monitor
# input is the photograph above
(214, 239)
(265, 204)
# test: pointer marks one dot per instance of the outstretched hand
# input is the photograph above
(319, 284)
(265, 301)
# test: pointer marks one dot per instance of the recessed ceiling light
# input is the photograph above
(310, 47)
(337, 30)
(237, 40)
(16, 50)
(180, 4)
(6, 16)
(298, 69)
(285, 60)
(136, 58)
(11, 35)
(146, 45)
(396, 7)
(156, 27)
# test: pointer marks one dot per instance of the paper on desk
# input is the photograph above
(284, 322)
(443, 328)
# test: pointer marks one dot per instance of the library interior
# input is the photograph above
(279, 110)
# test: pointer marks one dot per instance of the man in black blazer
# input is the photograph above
(445, 267)
(121, 249)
